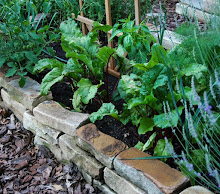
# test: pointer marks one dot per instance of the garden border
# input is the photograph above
(100, 157)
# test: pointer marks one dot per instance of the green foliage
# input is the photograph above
(85, 67)
(135, 39)
(95, 9)
(160, 149)
(106, 109)
(21, 43)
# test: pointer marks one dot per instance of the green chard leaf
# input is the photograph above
(105, 53)
(149, 142)
(106, 109)
(146, 124)
(50, 79)
(87, 90)
(154, 78)
(172, 121)
(160, 149)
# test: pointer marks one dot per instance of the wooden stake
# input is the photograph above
(84, 30)
(137, 5)
(109, 22)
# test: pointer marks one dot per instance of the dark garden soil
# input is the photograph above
(25, 168)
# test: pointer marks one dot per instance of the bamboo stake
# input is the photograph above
(137, 5)
(84, 30)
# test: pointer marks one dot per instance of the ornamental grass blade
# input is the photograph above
(152, 157)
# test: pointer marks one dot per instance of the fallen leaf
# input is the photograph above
(57, 187)
(46, 172)
(89, 188)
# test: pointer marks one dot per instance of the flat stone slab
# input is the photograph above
(196, 190)
(194, 3)
(29, 96)
(43, 131)
(153, 176)
(103, 187)
(119, 184)
(55, 149)
(102, 146)
(81, 158)
(17, 108)
(202, 16)
(52, 114)
(170, 39)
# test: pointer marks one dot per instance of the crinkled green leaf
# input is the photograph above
(149, 100)
(105, 53)
(154, 78)
(127, 87)
(158, 55)
(87, 90)
(130, 115)
(69, 28)
(106, 109)
(171, 120)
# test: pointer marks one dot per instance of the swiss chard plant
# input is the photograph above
(146, 93)
(21, 40)
(85, 67)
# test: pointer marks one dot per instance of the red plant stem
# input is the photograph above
(106, 84)
(97, 100)
(116, 85)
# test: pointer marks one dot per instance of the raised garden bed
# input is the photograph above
(100, 157)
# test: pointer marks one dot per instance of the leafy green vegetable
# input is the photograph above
(163, 122)
(160, 149)
(106, 109)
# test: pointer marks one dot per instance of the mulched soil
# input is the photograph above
(25, 168)
(173, 19)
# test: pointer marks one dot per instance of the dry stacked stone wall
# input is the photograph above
(101, 158)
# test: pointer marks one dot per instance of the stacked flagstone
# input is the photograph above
(103, 160)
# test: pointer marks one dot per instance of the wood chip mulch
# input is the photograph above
(25, 168)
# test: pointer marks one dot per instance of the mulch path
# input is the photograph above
(25, 168)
